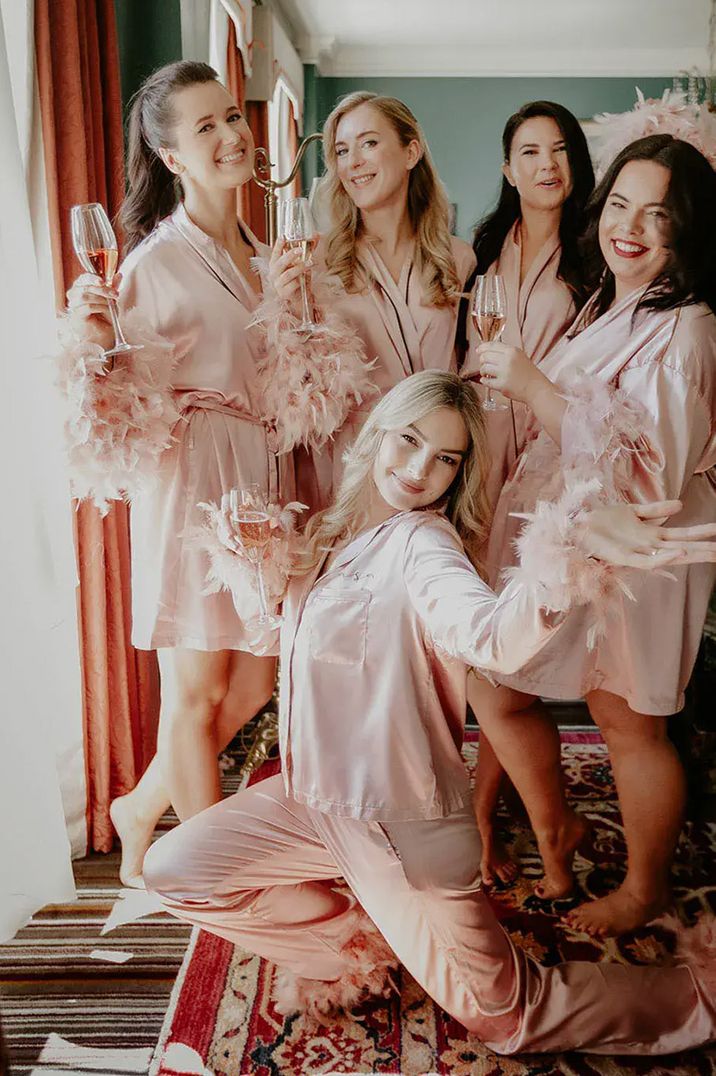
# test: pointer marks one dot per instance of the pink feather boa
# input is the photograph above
(605, 427)
(696, 947)
(369, 962)
(309, 384)
(229, 567)
(551, 557)
(119, 422)
(669, 114)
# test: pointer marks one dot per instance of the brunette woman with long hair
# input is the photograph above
(629, 396)
(188, 274)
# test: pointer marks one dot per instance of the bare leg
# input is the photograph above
(135, 815)
(526, 742)
(496, 863)
(652, 793)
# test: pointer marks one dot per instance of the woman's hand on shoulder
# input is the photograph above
(88, 308)
(632, 536)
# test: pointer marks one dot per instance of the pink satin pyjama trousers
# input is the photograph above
(258, 869)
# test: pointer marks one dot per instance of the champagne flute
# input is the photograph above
(489, 313)
(252, 527)
(296, 228)
(96, 248)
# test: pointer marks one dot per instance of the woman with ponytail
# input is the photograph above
(187, 272)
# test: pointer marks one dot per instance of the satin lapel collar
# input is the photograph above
(215, 258)
(547, 252)
(392, 309)
(508, 267)
(357, 546)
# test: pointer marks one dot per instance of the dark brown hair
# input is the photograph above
(152, 190)
(493, 229)
(689, 275)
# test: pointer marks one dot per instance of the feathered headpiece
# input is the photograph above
(669, 114)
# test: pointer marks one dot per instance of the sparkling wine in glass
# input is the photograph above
(96, 247)
(252, 528)
(489, 313)
(296, 228)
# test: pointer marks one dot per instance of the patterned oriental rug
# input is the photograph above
(221, 1008)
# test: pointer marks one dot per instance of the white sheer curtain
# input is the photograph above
(205, 31)
(41, 721)
(280, 114)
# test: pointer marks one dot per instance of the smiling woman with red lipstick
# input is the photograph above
(188, 275)
(629, 395)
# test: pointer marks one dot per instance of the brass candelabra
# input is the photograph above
(262, 175)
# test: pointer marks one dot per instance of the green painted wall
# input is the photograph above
(463, 119)
(149, 33)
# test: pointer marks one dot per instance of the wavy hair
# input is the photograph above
(491, 232)
(428, 205)
(152, 190)
(466, 503)
(689, 275)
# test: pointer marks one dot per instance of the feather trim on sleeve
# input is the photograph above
(117, 422)
(309, 383)
(552, 559)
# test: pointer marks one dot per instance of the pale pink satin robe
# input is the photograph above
(667, 362)
(539, 311)
(374, 656)
(190, 291)
(401, 332)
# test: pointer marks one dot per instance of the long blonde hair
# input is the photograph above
(428, 205)
(467, 506)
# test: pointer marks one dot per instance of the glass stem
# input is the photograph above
(263, 605)
(118, 334)
(305, 311)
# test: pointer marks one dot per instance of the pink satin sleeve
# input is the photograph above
(463, 616)
(681, 432)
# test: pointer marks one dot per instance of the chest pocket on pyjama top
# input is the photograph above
(338, 627)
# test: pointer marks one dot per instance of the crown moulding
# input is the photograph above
(498, 61)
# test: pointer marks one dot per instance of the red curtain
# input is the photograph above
(78, 73)
(257, 115)
(250, 198)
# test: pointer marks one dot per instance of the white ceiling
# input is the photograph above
(499, 37)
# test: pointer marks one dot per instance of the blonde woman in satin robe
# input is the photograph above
(646, 339)
(381, 625)
(530, 239)
(400, 273)
(188, 274)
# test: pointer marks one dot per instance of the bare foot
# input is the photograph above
(136, 837)
(557, 850)
(616, 913)
(496, 864)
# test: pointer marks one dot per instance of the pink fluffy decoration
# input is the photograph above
(551, 557)
(369, 962)
(605, 427)
(668, 114)
(696, 947)
(229, 567)
(117, 422)
(309, 383)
